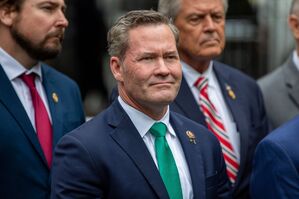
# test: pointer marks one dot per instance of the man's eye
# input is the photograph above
(217, 17)
(147, 58)
(194, 19)
(172, 57)
(47, 8)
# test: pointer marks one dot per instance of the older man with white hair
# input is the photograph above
(227, 101)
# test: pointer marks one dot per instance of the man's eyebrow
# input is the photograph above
(53, 3)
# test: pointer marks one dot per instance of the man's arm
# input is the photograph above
(73, 172)
(274, 174)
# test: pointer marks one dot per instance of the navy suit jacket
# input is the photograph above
(107, 158)
(247, 110)
(23, 170)
(276, 164)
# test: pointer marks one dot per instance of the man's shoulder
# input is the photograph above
(55, 75)
(273, 78)
(284, 137)
(232, 72)
(235, 77)
(288, 129)
(102, 123)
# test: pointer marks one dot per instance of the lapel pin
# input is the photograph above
(55, 97)
(230, 92)
(191, 137)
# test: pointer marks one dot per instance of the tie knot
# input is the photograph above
(201, 82)
(158, 129)
(29, 79)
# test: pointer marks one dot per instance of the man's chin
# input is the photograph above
(210, 54)
(46, 54)
(165, 100)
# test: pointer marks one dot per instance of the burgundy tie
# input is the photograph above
(42, 121)
(215, 124)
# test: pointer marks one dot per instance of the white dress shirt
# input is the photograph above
(13, 70)
(296, 59)
(143, 123)
(216, 98)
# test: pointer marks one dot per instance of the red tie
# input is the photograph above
(215, 124)
(42, 121)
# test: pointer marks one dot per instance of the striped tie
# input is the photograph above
(215, 124)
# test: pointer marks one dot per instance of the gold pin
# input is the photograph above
(191, 137)
(55, 97)
(230, 92)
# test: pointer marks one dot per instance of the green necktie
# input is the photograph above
(166, 162)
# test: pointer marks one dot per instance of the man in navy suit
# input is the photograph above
(118, 154)
(34, 116)
(236, 96)
(276, 164)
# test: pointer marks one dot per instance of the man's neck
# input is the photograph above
(198, 64)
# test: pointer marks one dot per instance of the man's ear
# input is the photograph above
(7, 15)
(294, 25)
(116, 68)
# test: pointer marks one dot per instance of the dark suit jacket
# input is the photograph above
(276, 164)
(107, 158)
(281, 93)
(247, 111)
(24, 172)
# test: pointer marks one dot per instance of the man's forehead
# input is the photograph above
(58, 2)
(149, 33)
(202, 5)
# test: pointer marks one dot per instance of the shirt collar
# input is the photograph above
(191, 75)
(141, 121)
(14, 69)
(296, 59)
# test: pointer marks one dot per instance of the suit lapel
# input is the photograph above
(55, 107)
(127, 136)
(193, 158)
(11, 102)
(239, 115)
(187, 104)
(291, 74)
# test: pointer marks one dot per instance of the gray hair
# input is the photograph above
(294, 7)
(171, 8)
(118, 34)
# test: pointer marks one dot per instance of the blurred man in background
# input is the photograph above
(281, 87)
(37, 104)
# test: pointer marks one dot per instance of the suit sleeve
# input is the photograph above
(73, 172)
(274, 174)
(264, 119)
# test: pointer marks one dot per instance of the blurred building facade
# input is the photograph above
(258, 41)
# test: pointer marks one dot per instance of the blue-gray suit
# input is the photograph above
(107, 158)
(24, 172)
(280, 89)
(276, 164)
